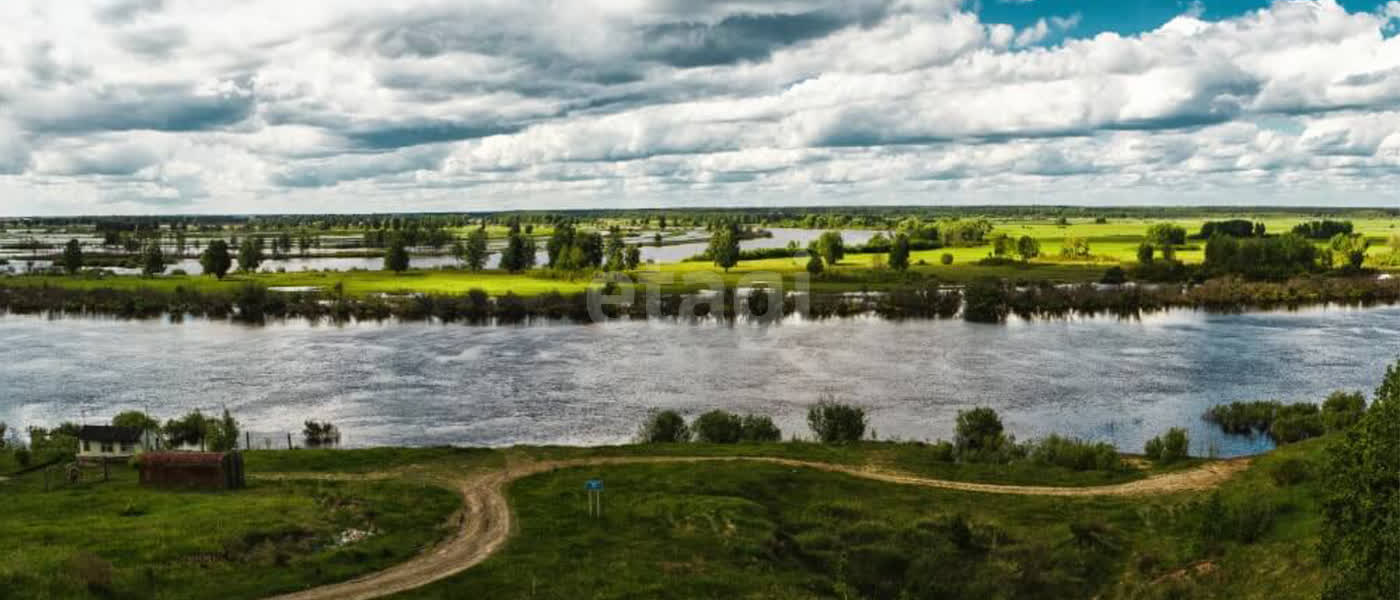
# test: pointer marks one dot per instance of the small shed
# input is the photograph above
(202, 470)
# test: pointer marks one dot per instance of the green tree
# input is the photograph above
(979, 430)
(519, 253)
(558, 245)
(616, 252)
(1342, 410)
(223, 433)
(73, 256)
(664, 427)
(191, 429)
(633, 258)
(458, 250)
(724, 246)
(836, 423)
(986, 301)
(1003, 245)
(831, 247)
(476, 253)
(899, 252)
(1168, 447)
(814, 265)
(250, 255)
(756, 428)
(396, 257)
(1027, 248)
(1144, 253)
(718, 427)
(1351, 247)
(152, 259)
(1166, 234)
(136, 419)
(215, 259)
(1074, 248)
(1361, 514)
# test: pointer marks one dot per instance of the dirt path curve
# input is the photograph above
(485, 519)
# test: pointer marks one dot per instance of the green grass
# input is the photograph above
(752, 531)
(706, 530)
(364, 460)
(271, 537)
(736, 530)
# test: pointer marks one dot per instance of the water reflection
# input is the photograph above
(384, 383)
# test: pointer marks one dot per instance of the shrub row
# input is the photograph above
(714, 427)
(1288, 423)
(910, 296)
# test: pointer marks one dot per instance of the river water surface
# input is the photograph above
(392, 383)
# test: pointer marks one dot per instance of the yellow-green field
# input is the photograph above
(1110, 243)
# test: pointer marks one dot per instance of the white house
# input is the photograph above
(105, 442)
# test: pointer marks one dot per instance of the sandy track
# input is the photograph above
(485, 518)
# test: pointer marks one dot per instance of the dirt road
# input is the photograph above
(486, 517)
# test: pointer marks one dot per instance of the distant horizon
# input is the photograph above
(1206, 209)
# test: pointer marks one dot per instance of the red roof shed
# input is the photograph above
(207, 470)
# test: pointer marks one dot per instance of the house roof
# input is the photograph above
(182, 459)
(108, 433)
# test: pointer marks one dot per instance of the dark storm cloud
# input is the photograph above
(330, 171)
(429, 132)
(747, 37)
(158, 109)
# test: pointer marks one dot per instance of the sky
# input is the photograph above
(263, 106)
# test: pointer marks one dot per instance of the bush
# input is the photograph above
(835, 423)
(1291, 472)
(664, 427)
(1295, 428)
(943, 451)
(1361, 528)
(718, 427)
(979, 430)
(1342, 410)
(1114, 276)
(1168, 447)
(986, 301)
(1153, 449)
(1076, 454)
(757, 428)
(1244, 520)
(946, 259)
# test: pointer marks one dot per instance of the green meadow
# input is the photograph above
(116, 539)
(703, 530)
(1111, 243)
(734, 530)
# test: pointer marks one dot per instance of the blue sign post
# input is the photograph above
(594, 487)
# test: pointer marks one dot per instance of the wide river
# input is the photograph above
(1099, 378)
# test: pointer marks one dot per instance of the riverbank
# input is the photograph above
(474, 298)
